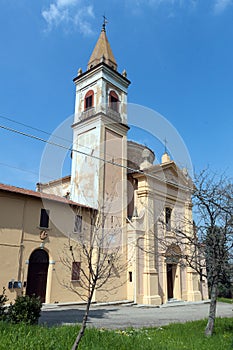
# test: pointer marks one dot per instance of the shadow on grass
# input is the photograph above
(71, 316)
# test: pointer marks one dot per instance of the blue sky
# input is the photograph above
(178, 55)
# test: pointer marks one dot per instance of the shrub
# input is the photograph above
(3, 300)
(26, 309)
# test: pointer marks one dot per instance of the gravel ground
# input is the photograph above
(128, 315)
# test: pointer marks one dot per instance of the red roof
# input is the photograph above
(42, 195)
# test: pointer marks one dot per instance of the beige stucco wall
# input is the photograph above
(20, 236)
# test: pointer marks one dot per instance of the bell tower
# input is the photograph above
(99, 160)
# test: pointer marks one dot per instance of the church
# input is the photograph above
(147, 202)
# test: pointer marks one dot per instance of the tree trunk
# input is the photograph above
(83, 327)
(212, 311)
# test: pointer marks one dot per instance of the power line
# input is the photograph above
(24, 170)
(43, 131)
(33, 128)
(90, 155)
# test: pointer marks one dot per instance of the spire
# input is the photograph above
(102, 51)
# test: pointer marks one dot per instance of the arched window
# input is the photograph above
(114, 101)
(168, 215)
(89, 99)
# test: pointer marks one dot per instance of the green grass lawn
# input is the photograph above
(226, 300)
(173, 337)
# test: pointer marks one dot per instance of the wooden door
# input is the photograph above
(170, 281)
(37, 274)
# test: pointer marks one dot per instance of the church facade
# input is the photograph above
(117, 177)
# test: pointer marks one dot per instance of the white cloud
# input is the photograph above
(70, 14)
(63, 3)
(81, 21)
(221, 5)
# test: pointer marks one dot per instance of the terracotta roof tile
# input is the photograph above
(42, 195)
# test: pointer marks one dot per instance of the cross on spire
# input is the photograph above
(104, 22)
(165, 145)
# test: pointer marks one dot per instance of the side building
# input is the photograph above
(36, 231)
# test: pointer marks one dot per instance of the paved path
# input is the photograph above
(122, 316)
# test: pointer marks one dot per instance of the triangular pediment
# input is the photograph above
(170, 173)
(176, 175)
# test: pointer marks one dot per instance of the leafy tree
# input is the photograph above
(221, 268)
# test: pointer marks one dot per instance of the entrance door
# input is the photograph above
(170, 281)
(37, 274)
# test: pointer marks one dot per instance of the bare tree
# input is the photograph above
(208, 248)
(213, 198)
(102, 261)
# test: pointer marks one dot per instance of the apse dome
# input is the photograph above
(139, 156)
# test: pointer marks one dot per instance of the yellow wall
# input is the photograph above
(20, 236)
